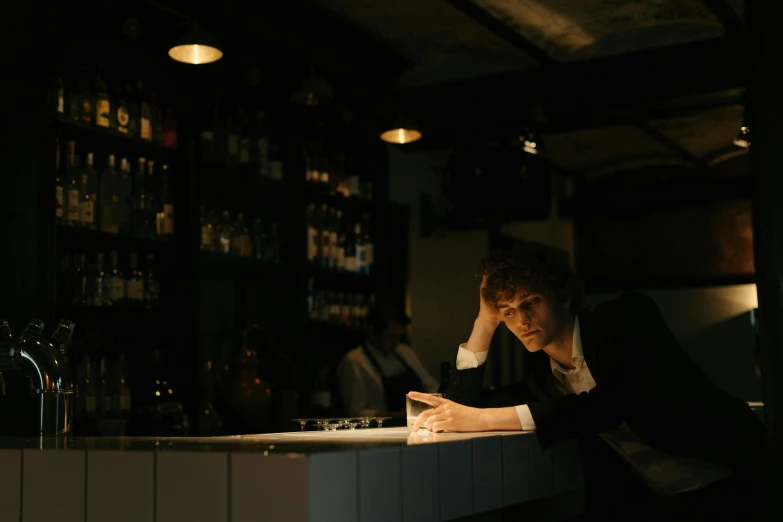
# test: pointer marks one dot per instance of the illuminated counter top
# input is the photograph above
(376, 474)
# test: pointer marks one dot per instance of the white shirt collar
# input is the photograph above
(577, 355)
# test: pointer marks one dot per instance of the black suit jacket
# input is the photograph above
(643, 378)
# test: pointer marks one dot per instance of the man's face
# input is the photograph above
(387, 339)
(536, 319)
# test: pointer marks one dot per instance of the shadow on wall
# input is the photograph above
(714, 326)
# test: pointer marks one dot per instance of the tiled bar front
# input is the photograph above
(322, 477)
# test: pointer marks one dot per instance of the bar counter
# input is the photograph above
(363, 475)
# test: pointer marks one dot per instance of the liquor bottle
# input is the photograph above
(151, 202)
(102, 103)
(261, 147)
(121, 396)
(166, 214)
(72, 100)
(156, 114)
(259, 240)
(122, 111)
(225, 233)
(350, 251)
(97, 287)
(346, 306)
(115, 282)
(170, 137)
(369, 248)
(341, 244)
(326, 247)
(204, 243)
(334, 226)
(88, 393)
(72, 184)
(232, 149)
(240, 238)
(139, 200)
(356, 311)
(145, 113)
(210, 423)
(134, 284)
(244, 139)
(125, 195)
(79, 281)
(312, 312)
(313, 236)
(59, 188)
(361, 251)
(167, 418)
(274, 244)
(151, 284)
(105, 401)
(88, 191)
(213, 229)
(134, 111)
(275, 163)
(110, 198)
(86, 108)
(60, 97)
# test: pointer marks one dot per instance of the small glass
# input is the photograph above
(414, 408)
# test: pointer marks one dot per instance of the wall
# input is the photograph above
(714, 326)
(442, 289)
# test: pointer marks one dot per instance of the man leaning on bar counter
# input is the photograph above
(615, 378)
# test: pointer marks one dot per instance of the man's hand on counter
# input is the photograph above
(448, 415)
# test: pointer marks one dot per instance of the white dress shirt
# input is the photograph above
(361, 387)
(577, 380)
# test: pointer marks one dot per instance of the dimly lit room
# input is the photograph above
(391, 261)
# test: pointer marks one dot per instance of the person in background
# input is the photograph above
(375, 377)
(612, 377)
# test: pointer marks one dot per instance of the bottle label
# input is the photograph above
(312, 243)
(350, 263)
(123, 119)
(59, 198)
(146, 129)
(370, 252)
(73, 205)
(206, 237)
(276, 170)
(60, 101)
(87, 211)
(85, 111)
(102, 113)
(341, 258)
(333, 246)
(117, 288)
(233, 145)
(125, 402)
(168, 219)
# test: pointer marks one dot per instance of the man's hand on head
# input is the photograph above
(488, 312)
(447, 415)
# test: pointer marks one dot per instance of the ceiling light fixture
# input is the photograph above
(197, 47)
(401, 130)
(743, 138)
(315, 90)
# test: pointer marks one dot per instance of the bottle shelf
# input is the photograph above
(108, 315)
(215, 265)
(316, 193)
(347, 281)
(77, 130)
(75, 239)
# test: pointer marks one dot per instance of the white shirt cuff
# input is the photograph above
(467, 359)
(525, 418)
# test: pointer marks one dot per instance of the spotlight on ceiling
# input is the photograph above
(401, 130)
(197, 47)
(743, 138)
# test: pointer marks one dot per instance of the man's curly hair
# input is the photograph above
(532, 268)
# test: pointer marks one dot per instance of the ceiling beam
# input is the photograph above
(501, 30)
(670, 144)
(726, 15)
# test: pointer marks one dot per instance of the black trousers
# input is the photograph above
(614, 492)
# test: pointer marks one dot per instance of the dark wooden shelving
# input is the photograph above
(343, 281)
(75, 130)
(317, 193)
(214, 265)
(86, 240)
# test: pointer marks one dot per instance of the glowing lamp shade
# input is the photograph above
(743, 138)
(197, 47)
(401, 130)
